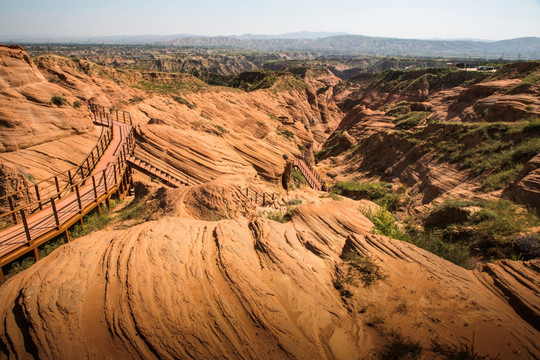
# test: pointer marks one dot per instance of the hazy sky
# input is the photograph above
(425, 19)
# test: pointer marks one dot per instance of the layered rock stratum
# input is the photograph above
(204, 272)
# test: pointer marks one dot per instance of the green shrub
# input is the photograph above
(398, 110)
(500, 180)
(183, 101)
(92, 222)
(50, 246)
(399, 347)
(410, 120)
(385, 224)
(286, 133)
(462, 351)
(58, 100)
(299, 178)
(381, 193)
(137, 209)
(77, 104)
(370, 271)
(22, 265)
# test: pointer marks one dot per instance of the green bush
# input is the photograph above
(462, 351)
(299, 178)
(410, 120)
(286, 133)
(58, 100)
(50, 246)
(370, 271)
(17, 267)
(385, 224)
(92, 222)
(77, 104)
(381, 193)
(399, 347)
(183, 101)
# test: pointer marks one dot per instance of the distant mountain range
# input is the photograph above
(322, 42)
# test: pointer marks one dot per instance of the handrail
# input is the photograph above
(50, 187)
(107, 115)
(312, 177)
(264, 196)
(159, 164)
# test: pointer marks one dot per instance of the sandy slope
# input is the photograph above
(179, 287)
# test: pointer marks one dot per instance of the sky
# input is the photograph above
(420, 19)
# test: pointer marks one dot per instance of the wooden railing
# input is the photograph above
(256, 197)
(311, 175)
(156, 167)
(106, 115)
(53, 210)
(32, 198)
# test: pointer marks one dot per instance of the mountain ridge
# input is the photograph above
(324, 42)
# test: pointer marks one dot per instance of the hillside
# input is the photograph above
(205, 271)
(529, 48)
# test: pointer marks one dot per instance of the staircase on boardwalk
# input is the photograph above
(45, 210)
(311, 175)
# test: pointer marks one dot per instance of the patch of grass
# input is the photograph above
(161, 87)
(494, 148)
(58, 100)
(456, 253)
(278, 216)
(28, 176)
(464, 350)
(367, 266)
(183, 101)
(77, 104)
(221, 129)
(299, 178)
(489, 233)
(381, 193)
(399, 347)
(401, 308)
(295, 202)
(18, 266)
(385, 224)
(92, 222)
(399, 109)
(47, 248)
(410, 120)
(500, 180)
(288, 134)
(137, 209)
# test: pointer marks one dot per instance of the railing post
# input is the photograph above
(115, 178)
(93, 159)
(26, 229)
(70, 178)
(78, 197)
(94, 186)
(56, 219)
(105, 180)
(57, 186)
(88, 164)
(38, 197)
(12, 208)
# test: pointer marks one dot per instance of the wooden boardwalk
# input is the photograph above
(48, 209)
(311, 175)
(37, 222)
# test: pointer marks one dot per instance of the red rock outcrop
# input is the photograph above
(525, 189)
(239, 288)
